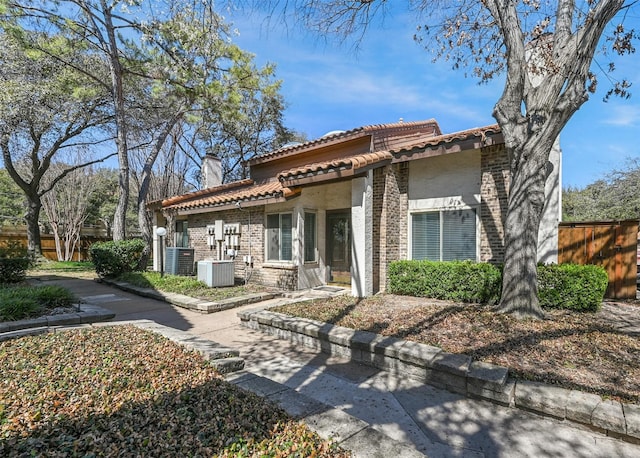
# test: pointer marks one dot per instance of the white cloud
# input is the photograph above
(626, 115)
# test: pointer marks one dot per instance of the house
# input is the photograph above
(340, 208)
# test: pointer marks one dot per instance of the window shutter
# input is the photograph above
(425, 230)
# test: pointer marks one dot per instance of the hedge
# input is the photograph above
(567, 286)
(464, 281)
(571, 286)
(114, 258)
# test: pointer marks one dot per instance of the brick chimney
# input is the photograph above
(211, 172)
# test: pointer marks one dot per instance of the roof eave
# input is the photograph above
(321, 142)
(233, 204)
(331, 174)
(456, 145)
(183, 198)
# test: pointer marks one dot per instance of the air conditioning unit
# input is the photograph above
(216, 273)
(179, 261)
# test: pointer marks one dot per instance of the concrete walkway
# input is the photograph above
(366, 410)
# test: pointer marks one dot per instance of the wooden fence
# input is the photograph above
(612, 245)
(49, 245)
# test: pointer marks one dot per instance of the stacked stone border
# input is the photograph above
(197, 305)
(453, 372)
(224, 359)
(84, 314)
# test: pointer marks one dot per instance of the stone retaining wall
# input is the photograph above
(453, 372)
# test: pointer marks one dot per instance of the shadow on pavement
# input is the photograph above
(126, 306)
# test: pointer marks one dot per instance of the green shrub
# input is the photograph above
(464, 281)
(20, 302)
(567, 286)
(14, 262)
(114, 258)
(571, 286)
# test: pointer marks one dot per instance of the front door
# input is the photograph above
(339, 246)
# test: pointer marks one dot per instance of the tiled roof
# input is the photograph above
(240, 191)
(355, 163)
(247, 190)
(205, 192)
(340, 136)
(351, 165)
(478, 132)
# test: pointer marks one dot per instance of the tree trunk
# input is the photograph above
(117, 87)
(58, 241)
(120, 216)
(32, 217)
(524, 212)
(144, 219)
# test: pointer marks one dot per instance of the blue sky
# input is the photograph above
(330, 86)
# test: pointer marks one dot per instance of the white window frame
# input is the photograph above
(279, 238)
(441, 235)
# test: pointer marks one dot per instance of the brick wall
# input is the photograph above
(251, 236)
(390, 224)
(494, 199)
(280, 276)
(403, 214)
(251, 243)
(390, 205)
(379, 224)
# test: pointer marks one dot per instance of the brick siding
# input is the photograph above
(494, 188)
(251, 236)
(390, 206)
(251, 243)
(390, 225)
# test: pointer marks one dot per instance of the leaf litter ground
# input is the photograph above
(584, 351)
(122, 391)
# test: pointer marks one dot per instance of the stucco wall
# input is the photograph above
(552, 213)
(447, 182)
(362, 245)
(318, 199)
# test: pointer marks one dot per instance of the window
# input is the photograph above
(279, 237)
(447, 235)
(309, 237)
(181, 235)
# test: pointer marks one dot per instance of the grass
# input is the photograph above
(583, 351)
(189, 286)
(19, 302)
(117, 389)
(65, 266)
